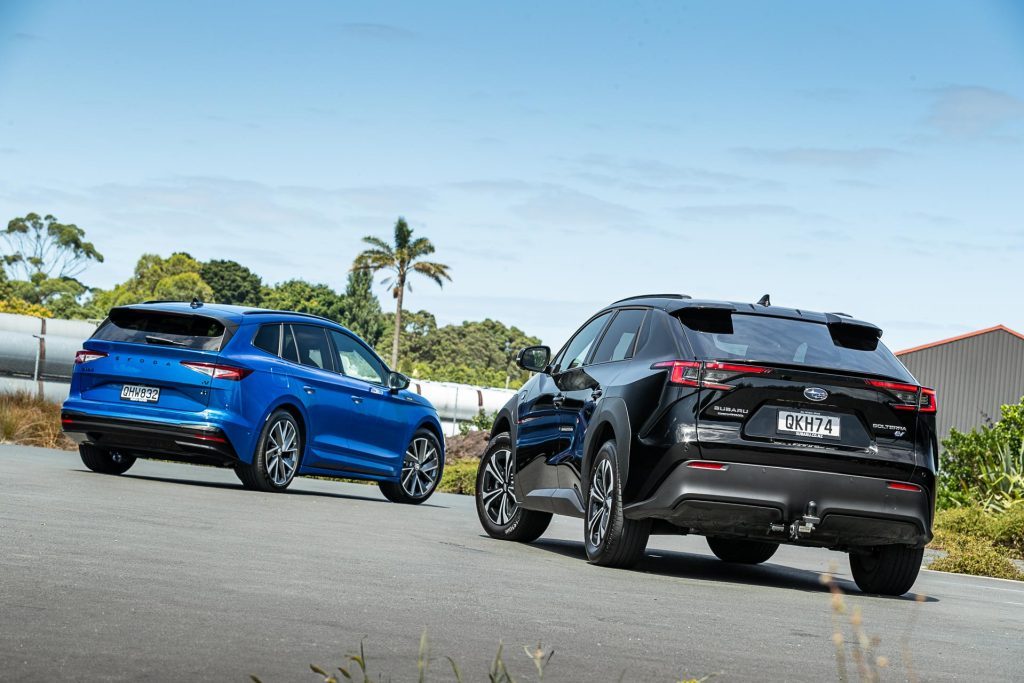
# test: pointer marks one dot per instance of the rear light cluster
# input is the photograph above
(707, 375)
(229, 372)
(906, 396)
(85, 356)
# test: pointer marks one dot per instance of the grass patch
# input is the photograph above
(979, 542)
(459, 477)
(29, 421)
(977, 556)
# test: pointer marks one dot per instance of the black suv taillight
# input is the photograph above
(906, 397)
(709, 374)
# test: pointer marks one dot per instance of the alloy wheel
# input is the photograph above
(497, 491)
(599, 509)
(420, 468)
(282, 454)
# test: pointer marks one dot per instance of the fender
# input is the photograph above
(434, 425)
(610, 414)
(281, 401)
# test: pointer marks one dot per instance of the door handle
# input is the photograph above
(558, 401)
(357, 400)
(309, 390)
(596, 394)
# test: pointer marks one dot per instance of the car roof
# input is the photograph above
(675, 303)
(227, 312)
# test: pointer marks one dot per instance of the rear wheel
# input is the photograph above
(277, 456)
(611, 539)
(742, 551)
(887, 570)
(104, 461)
(500, 513)
(421, 471)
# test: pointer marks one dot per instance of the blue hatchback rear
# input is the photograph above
(271, 394)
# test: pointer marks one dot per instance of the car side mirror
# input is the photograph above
(397, 381)
(534, 358)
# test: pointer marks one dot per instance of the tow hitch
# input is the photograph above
(806, 524)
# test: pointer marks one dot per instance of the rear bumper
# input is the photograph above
(192, 442)
(745, 501)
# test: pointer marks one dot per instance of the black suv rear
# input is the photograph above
(750, 424)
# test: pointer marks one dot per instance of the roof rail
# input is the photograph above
(653, 296)
(270, 311)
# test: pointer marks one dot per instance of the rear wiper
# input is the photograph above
(151, 339)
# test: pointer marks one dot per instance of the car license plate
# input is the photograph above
(140, 394)
(814, 425)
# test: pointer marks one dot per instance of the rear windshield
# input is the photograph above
(759, 338)
(162, 328)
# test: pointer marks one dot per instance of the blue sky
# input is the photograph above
(864, 158)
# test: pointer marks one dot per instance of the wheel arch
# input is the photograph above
(610, 421)
(297, 413)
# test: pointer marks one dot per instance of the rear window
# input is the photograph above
(759, 338)
(163, 328)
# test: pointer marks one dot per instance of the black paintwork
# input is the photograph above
(559, 419)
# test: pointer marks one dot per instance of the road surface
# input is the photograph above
(173, 572)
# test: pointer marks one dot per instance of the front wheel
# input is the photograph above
(421, 471)
(611, 539)
(277, 455)
(887, 570)
(500, 513)
(104, 461)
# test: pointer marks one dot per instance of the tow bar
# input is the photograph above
(807, 523)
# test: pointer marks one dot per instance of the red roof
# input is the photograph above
(1004, 328)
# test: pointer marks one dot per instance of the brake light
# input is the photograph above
(902, 486)
(85, 356)
(229, 372)
(709, 375)
(907, 397)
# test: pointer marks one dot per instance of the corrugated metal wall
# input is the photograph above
(974, 377)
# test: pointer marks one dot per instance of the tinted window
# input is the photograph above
(166, 329)
(781, 340)
(356, 361)
(314, 349)
(268, 338)
(288, 349)
(576, 352)
(620, 339)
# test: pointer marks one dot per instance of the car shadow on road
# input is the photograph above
(238, 487)
(707, 568)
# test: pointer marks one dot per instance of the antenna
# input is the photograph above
(196, 303)
(764, 301)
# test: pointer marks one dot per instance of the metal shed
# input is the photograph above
(974, 375)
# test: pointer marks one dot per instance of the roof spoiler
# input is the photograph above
(853, 334)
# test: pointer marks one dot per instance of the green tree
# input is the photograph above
(44, 258)
(175, 278)
(360, 309)
(400, 259)
(232, 283)
(303, 297)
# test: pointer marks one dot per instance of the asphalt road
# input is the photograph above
(173, 572)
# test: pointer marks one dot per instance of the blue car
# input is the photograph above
(272, 394)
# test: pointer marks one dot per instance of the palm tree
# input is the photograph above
(400, 259)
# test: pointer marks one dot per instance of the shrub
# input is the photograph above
(29, 421)
(459, 477)
(977, 556)
(482, 421)
(985, 466)
(1008, 529)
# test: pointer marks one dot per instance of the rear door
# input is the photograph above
(796, 393)
(145, 366)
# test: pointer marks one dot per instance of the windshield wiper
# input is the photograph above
(151, 339)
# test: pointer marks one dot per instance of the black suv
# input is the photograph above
(749, 424)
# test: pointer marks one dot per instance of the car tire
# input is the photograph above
(742, 551)
(886, 570)
(500, 513)
(104, 461)
(610, 539)
(278, 455)
(422, 469)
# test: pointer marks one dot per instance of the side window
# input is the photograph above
(314, 349)
(355, 361)
(618, 341)
(288, 350)
(576, 351)
(268, 338)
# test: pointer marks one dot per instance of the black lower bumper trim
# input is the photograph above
(748, 501)
(144, 438)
